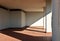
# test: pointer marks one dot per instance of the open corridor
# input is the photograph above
(25, 34)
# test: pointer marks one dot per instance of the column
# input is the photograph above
(48, 16)
(23, 19)
(56, 20)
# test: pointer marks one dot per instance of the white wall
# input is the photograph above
(15, 19)
(9, 19)
(23, 19)
(4, 19)
(48, 17)
(31, 19)
(34, 18)
(49, 22)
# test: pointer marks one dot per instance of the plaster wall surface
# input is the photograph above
(4, 18)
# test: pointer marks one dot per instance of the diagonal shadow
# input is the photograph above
(23, 37)
(36, 31)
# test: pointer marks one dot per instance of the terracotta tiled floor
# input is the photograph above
(28, 34)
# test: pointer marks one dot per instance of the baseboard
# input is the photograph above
(36, 26)
(3, 28)
(42, 27)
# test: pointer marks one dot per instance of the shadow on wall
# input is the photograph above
(34, 19)
(37, 18)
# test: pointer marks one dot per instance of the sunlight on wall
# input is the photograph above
(34, 19)
(38, 23)
(49, 22)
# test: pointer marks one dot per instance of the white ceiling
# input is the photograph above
(28, 5)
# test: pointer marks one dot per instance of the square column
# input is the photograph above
(56, 20)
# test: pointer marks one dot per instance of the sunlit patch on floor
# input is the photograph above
(26, 34)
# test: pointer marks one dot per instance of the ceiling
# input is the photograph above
(27, 5)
